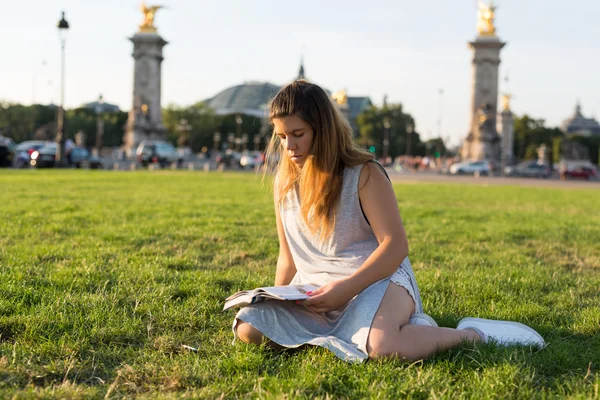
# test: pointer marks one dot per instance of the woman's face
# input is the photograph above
(296, 137)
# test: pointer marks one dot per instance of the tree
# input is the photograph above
(250, 126)
(19, 122)
(531, 133)
(371, 130)
(39, 122)
(86, 120)
(435, 147)
(202, 119)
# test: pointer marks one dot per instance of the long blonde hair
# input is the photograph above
(319, 181)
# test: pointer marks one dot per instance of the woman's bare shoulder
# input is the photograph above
(372, 174)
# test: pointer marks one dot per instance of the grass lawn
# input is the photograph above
(104, 275)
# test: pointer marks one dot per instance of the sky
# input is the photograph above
(407, 50)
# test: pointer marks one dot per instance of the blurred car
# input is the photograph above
(7, 151)
(157, 152)
(45, 157)
(583, 172)
(251, 159)
(529, 169)
(471, 168)
(24, 151)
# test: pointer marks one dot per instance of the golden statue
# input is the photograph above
(506, 102)
(148, 25)
(485, 19)
(340, 97)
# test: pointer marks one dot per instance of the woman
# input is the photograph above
(339, 228)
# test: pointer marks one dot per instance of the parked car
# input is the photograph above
(583, 172)
(251, 159)
(45, 157)
(7, 151)
(24, 151)
(158, 152)
(471, 168)
(529, 169)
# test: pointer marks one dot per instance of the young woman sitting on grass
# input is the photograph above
(339, 228)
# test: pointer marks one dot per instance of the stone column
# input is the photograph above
(483, 141)
(145, 118)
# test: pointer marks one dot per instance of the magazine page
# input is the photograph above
(240, 301)
(290, 292)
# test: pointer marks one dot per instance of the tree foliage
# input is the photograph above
(529, 134)
(202, 122)
(86, 120)
(371, 130)
(22, 123)
(435, 147)
(19, 122)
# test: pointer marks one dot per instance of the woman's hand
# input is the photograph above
(330, 297)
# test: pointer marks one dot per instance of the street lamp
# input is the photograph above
(238, 121)
(99, 124)
(63, 27)
(256, 141)
(216, 140)
(183, 127)
(409, 131)
(386, 139)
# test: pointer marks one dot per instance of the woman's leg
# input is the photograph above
(392, 336)
(249, 334)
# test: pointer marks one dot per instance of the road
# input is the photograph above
(408, 176)
(396, 176)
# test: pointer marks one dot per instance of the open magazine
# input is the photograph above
(290, 292)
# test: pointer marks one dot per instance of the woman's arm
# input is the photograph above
(381, 209)
(286, 269)
(380, 206)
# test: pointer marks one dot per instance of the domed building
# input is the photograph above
(101, 106)
(577, 124)
(249, 98)
(252, 98)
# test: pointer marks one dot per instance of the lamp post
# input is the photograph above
(99, 124)
(256, 140)
(183, 127)
(63, 26)
(238, 122)
(409, 131)
(386, 139)
(216, 140)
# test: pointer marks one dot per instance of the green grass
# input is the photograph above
(104, 275)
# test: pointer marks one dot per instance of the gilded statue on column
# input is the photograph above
(506, 102)
(340, 97)
(485, 19)
(147, 25)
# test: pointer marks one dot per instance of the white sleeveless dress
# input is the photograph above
(343, 331)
